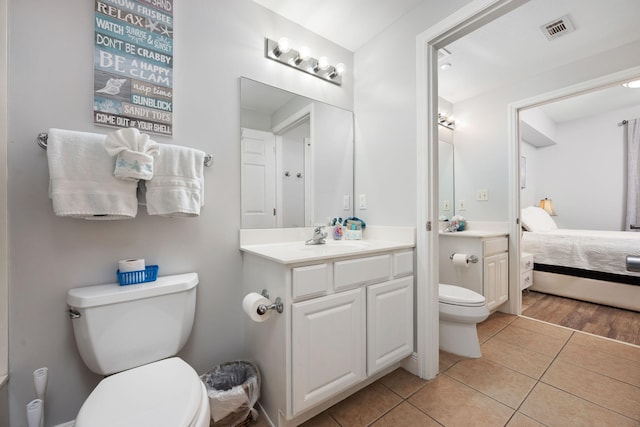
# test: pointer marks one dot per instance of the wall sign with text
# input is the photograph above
(133, 64)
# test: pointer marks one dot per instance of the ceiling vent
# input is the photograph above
(558, 27)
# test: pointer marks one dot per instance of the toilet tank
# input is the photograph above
(122, 327)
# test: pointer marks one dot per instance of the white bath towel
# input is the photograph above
(82, 184)
(177, 186)
(134, 151)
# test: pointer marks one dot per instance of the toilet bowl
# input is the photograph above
(131, 334)
(460, 310)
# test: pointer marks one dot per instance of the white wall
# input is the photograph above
(385, 111)
(51, 83)
(585, 173)
(481, 139)
(529, 194)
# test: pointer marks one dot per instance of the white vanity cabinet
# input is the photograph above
(489, 276)
(345, 319)
(327, 346)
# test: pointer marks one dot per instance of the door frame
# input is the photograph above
(463, 21)
(306, 112)
(513, 122)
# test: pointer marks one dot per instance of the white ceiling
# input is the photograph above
(348, 23)
(509, 49)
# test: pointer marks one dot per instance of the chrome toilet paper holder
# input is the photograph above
(472, 258)
(277, 305)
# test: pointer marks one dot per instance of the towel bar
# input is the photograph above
(42, 142)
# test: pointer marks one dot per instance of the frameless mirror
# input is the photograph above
(446, 180)
(296, 158)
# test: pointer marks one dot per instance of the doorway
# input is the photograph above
(465, 21)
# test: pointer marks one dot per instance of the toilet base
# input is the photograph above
(459, 338)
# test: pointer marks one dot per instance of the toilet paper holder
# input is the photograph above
(277, 305)
(472, 258)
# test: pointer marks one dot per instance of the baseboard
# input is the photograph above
(411, 364)
(67, 424)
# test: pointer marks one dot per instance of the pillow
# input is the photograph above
(537, 219)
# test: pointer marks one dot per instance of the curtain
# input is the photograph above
(633, 175)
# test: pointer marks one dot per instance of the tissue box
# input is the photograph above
(353, 234)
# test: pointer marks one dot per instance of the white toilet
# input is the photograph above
(131, 332)
(460, 310)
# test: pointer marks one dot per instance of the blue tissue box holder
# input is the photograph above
(149, 274)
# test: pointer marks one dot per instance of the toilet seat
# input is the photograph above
(165, 393)
(457, 295)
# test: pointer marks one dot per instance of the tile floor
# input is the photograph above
(531, 374)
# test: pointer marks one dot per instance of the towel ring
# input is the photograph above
(43, 136)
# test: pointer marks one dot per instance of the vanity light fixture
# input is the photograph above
(634, 84)
(446, 121)
(302, 60)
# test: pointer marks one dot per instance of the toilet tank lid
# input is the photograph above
(97, 295)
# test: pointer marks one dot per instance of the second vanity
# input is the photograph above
(489, 276)
(348, 316)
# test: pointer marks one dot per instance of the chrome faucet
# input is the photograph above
(318, 237)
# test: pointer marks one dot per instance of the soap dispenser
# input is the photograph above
(338, 232)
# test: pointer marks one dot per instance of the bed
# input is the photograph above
(586, 265)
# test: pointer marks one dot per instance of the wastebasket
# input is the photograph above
(233, 389)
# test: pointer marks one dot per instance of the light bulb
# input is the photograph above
(336, 71)
(282, 47)
(323, 64)
(303, 55)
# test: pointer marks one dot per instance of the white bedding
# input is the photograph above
(586, 249)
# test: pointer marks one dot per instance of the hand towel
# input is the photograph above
(177, 186)
(134, 151)
(81, 183)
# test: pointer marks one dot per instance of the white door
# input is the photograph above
(327, 347)
(258, 179)
(389, 323)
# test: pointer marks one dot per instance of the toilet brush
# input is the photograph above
(40, 377)
(34, 413)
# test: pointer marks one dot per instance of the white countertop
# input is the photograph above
(296, 252)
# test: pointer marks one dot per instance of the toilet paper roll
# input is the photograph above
(250, 305)
(460, 260)
(127, 265)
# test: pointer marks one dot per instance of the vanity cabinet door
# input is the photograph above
(328, 346)
(496, 279)
(389, 323)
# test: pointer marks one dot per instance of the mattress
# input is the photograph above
(593, 250)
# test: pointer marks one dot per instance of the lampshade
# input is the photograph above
(547, 205)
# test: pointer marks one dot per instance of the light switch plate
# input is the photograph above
(362, 201)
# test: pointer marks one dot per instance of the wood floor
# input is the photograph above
(610, 322)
